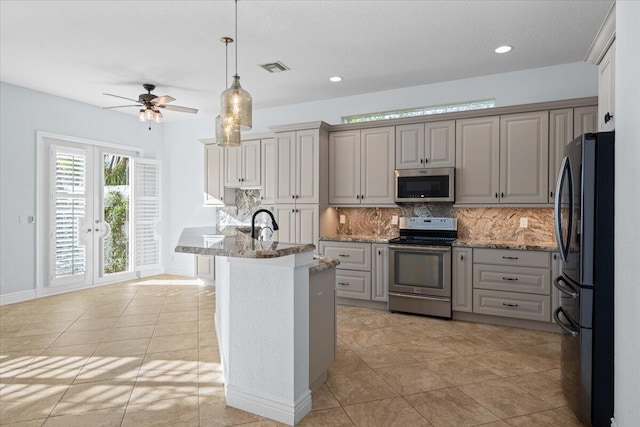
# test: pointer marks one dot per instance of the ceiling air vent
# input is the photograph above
(275, 67)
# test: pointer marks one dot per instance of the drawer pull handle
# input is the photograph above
(344, 255)
(343, 284)
(509, 305)
(509, 278)
(509, 257)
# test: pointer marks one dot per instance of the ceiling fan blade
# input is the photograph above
(122, 97)
(121, 106)
(178, 108)
(164, 99)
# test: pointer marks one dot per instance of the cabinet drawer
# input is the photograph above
(352, 256)
(512, 279)
(512, 304)
(353, 284)
(512, 257)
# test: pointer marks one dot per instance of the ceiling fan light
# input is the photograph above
(157, 115)
(148, 114)
(141, 116)
(236, 103)
(227, 135)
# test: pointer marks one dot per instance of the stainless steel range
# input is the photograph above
(420, 266)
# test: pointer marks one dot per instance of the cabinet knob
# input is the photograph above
(358, 196)
(362, 197)
(379, 251)
(426, 160)
(293, 210)
(550, 193)
(89, 230)
(421, 161)
(496, 195)
(608, 117)
(293, 197)
(502, 195)
(461, 257)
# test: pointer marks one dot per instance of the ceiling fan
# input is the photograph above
(152, 104)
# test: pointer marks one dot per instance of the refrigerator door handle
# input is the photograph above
(569, 328)
(563, 246)
(566, 288)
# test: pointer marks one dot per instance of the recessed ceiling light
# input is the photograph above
(503, 49)
(335, 79)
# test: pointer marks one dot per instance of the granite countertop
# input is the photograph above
(356, 238)
(322, 263)
(495, 244)
(234, 242)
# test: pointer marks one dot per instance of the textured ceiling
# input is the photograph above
(80, 49)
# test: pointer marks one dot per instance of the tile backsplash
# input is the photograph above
(496, 224)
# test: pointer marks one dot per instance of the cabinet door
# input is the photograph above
(204, 267)
(233, 167)
(410, 146)
(560, 134)
(213, 175)
(524, 158)
(440, 144)
(377, 165)
(251, 163)
(477, 160)
(285, 216)
(380, 273)
(307, 224)
(606, 91)
(285, 165)
(462, 284)
(344, 167)
(307, 177)
(585, 120)
(268, 171)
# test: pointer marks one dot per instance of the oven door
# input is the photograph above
(422, 270)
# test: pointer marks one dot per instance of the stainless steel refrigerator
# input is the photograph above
(584, 207)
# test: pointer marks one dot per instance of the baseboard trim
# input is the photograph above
(285, 412)
(15, 297)
(506, 321)
(179, 271)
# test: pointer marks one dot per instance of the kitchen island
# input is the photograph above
(265, 298)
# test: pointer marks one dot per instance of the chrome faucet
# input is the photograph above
(253, 221)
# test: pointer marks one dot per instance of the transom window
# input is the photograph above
(421, 111)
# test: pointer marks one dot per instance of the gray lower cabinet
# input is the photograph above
(363, 272)
(204, 267)
(462, 279)
(512, 283)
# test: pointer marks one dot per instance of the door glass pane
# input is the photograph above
(115, 229)
(418, 270)
(70, 251)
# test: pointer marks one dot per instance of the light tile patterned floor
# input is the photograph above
(144, 353)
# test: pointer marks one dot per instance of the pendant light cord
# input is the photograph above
(236, 37)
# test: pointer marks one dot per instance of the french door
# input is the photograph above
(103, 214)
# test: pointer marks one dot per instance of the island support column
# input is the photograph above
(262, 319)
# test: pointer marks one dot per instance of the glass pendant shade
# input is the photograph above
(227, 135)
(157, 115)
(237, 105)
(141, 116)
(148, 114)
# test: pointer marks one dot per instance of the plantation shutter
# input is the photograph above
(68, 196)
(146, 187)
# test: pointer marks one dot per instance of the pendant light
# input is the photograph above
(227, 132)
(235, 101)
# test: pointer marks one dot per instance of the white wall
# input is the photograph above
(627, 207)
(22, 113)
(184, 170)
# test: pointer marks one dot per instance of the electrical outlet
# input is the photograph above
(343, 219)
(394, 220)
(524, 222)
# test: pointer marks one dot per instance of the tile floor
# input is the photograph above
(144, 353)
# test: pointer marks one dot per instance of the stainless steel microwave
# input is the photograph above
(425, 185)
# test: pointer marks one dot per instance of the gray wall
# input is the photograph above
(22, 113)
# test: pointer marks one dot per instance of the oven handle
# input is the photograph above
(418, 296)
(436, 249)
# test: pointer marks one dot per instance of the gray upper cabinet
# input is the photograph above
(213, 175)
(429, 145)
(606, 90)
(585, 120)
(242, 165)
(524, 158)
(298, 166)
(268, 171)
(477, 160)
(361, 164)
(561, 130)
